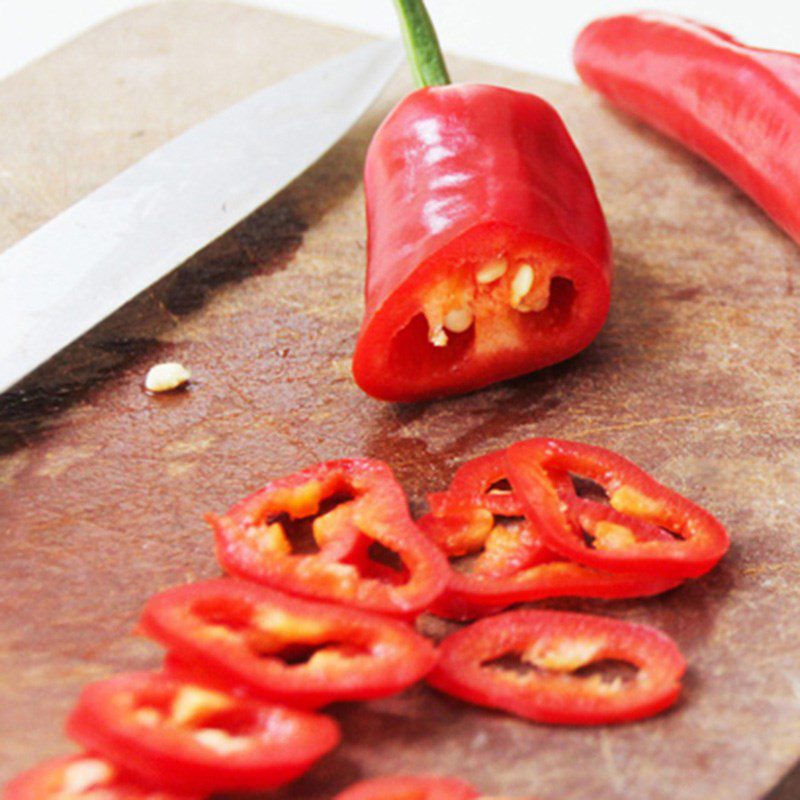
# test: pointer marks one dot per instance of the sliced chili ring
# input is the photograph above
(252, 541)
(80, 777)
(556, 646)
(409, 787)
(285, 649)
(480, 482)
(510, 563)
(633, 534)
(189, 738)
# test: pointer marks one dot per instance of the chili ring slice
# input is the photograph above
(285, 649)
(188, 738)
(82, 777)
(252, 540)
(552, 648)
(648, 528)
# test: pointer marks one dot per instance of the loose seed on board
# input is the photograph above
(166, 377)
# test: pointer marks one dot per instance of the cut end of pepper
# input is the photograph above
(493, 305)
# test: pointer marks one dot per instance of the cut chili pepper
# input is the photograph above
(82, 777)
(409, 787)
(530, 663)
(648, 529)
(298, 652)
(189, 738)
(252, 539)
(736, 106)
(488, 253)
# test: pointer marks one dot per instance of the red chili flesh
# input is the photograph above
(736, 106)
(550, 652)
(488, 252)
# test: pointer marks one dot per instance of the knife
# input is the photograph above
(71, 273)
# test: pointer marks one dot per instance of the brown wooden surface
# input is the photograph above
(102, 487)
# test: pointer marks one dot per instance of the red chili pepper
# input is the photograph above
(252, 540)
(510, 561)
(188, 738)
(298, 652)
(648, 529)
(488, 253)
(736, 106)
(82, 777)
(409, 787)
(555, 647)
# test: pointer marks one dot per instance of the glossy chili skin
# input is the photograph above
(285, 649)
(188, 738)
(455, 175)
(252, 542)
(736, 106)
(510, 560)
(82, 776)
(646, 529)
(556, 645)
(409, 787)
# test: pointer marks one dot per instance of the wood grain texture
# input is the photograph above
(102, 487)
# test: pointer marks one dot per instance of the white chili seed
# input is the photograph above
(491, 270)
(458, 320)
(521, 284)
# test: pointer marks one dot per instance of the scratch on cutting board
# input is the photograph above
(794, 681)
(617, 779)
(711, 414)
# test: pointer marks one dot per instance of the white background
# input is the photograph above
(533, 35)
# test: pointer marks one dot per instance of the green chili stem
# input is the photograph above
(422, 46)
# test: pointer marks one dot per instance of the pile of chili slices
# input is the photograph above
(332, 572)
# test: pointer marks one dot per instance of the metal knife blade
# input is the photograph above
(71, 273)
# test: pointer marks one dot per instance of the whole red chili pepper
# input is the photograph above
(488, 252)
(736, 106)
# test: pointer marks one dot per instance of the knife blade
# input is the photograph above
(71, 273)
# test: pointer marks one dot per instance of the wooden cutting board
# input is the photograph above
(102, 487)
